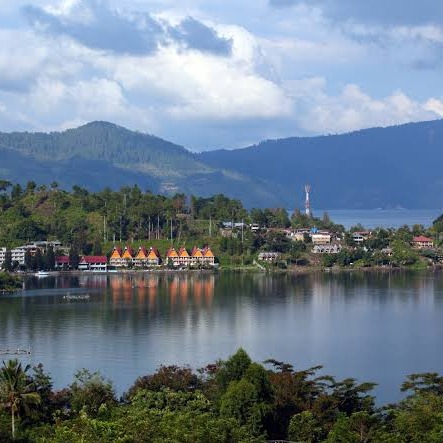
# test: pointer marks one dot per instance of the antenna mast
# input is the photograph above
(308, 211)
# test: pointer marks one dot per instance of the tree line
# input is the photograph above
(233, 400)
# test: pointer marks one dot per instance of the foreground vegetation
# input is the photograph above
(235, 400)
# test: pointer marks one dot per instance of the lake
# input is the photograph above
(373, 326)
(386, 218)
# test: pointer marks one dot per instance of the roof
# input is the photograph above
(102, 259)
(142, 252)
(183, 252)
(421, 238)
(63, 259)
(129, 253)
(117, 252)
(171, 252)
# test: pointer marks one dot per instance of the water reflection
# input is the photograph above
(373, 326)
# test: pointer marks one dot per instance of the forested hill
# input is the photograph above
(398, 166)
(101, 154)
(390, 167)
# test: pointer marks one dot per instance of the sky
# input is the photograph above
(220, 73)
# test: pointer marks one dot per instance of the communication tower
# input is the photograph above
(308, 211)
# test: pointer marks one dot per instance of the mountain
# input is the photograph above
(101, 154)
(398, 166)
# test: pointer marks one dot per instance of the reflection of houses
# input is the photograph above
(422, 242)
(93, 263)
(326, 249)
(269, 256)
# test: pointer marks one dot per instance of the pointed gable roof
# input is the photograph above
(129, 253)
(142, 253)
(117, 252)
(183, 252)
(207, 252)
(153, 253)
(196, 252)
(171, 252)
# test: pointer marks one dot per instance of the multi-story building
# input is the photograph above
(2, 256)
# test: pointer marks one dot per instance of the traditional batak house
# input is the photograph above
(172, 257)
(154, 258)
(141, 259)
(422, 242)
(202, 256)
(183, 257)
(208, 256)
(97, 263)
(116, 258)
(128, 255)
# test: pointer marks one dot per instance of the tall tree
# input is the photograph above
(16, 390)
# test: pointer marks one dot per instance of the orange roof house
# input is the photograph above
(172, 256)
(128, 253)
(153, 256)
(116, 258)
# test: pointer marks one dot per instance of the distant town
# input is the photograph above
(69, 231)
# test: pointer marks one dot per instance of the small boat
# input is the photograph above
(42, 274)
(73, 297)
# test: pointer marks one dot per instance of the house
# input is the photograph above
(172, 257)
(321, 238)
(360, 236)
(141, 259)
(422, 242)
(2, 256)
(93, 263)
(62, 262)
(116, 258)
(269, 256)
(326, 249)
(128, 256)
(184, 258)
(153, 258)
(208, 256)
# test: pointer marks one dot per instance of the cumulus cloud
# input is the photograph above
(93, 24)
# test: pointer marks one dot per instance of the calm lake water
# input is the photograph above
(375, 327)
(386, 218)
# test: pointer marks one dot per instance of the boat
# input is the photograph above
(42, 274)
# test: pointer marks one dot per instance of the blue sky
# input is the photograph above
(220, 73)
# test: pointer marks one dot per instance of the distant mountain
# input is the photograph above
(101, 154)
(398, 166)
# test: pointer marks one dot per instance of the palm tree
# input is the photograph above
(16, 390)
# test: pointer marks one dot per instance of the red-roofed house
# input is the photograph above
(62, 262)
(93, 263)
(116, 258)
(422, 242)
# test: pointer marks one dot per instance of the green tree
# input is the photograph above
(16, 390)
(90, 391)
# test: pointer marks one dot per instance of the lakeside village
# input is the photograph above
(153, 232)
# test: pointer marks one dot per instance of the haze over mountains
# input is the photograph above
(398, 166)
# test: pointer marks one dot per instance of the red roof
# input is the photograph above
(63, 259)
(421, 239)
(102, 259)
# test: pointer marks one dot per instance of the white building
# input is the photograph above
(321, 238)
(2, 256)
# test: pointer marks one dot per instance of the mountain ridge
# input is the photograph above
(368, 168)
